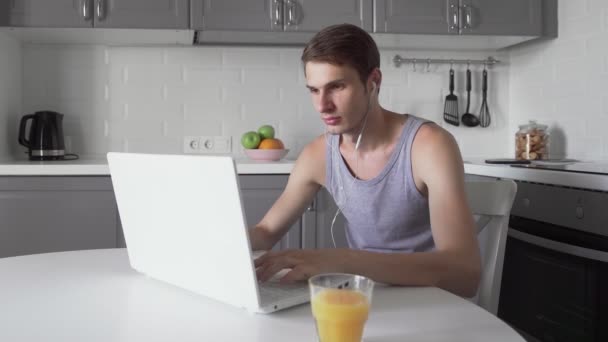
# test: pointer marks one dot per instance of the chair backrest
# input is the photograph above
(490, 202)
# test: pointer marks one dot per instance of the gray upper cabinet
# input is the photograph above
(411, 16)
(45, 13)
(313, 15)
(499, 17)
(465, 17)
(278, 15)
(156, 14)
(237, 15)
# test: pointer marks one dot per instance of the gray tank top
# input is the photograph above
(386, 213)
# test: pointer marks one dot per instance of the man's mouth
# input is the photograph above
(332, 120)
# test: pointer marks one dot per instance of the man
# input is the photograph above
(398, 180)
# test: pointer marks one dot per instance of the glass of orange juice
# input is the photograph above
(340, 305)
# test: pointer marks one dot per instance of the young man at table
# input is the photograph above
(398, 180)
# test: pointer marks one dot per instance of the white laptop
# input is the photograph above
(184, 224)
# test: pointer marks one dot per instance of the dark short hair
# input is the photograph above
(343, 44)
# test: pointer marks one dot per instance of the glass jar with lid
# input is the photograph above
(532, 142)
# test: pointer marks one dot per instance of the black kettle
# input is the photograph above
(45, 136)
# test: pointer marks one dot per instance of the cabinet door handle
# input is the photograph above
(100, 10)
(312, 206)
(467, 11)
(454, 25)
(291, 13)
(278, 10)
(86, 10)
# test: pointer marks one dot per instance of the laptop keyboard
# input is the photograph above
(272, 291)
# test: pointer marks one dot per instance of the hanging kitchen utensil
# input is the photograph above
(450, 110)
(484, 112)
(469, 119)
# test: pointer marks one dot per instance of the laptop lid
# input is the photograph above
(184, 223)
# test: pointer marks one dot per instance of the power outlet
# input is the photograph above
(191, 144)
(208, 144)
(216, 144)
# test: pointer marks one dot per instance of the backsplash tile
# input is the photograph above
(157, 95)
(563, 82)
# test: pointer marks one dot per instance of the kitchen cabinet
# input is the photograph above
(157, 14)
(258, 193)
(459, 17)
(326, 210)
(53, 214)
(278, 15)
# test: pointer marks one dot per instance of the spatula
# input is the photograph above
(450, 110)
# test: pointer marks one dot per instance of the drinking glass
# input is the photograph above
(340, 305)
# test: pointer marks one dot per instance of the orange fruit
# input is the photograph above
(271, 144)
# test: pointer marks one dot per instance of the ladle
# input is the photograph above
(469, 119)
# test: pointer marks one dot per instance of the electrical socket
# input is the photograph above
(215, 144)
(191, 144)
(207, 144)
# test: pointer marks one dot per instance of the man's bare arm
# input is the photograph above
(455, 263)
(303, 184)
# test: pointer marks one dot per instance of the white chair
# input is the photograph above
(490, 202)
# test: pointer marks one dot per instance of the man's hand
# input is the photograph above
(303, 263)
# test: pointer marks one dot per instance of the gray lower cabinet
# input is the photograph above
(259, 192)
(326, 210)
(53, 214)
(157, 14)
(279, 15)
(464, 17)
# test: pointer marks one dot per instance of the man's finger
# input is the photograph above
(296, 274)
(278, 264)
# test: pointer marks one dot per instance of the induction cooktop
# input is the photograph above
(597, 168)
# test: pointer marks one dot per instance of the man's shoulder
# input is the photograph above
(316, 148)
(311, 161)
(431, 135)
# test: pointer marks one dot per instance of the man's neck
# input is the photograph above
(375, 133)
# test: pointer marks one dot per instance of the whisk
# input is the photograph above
(484, 112)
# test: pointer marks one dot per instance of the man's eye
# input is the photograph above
(313, 91)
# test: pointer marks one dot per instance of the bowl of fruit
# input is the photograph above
(262, 144)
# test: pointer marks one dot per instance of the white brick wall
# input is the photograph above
(564, 82)
(10, 92)
(147, 99)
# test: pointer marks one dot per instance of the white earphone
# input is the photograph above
(373, 90)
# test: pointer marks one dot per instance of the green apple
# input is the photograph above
(250, 140)
(266, 132)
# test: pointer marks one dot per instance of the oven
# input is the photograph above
(555, 275)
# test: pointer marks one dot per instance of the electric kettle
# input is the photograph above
(45, 136)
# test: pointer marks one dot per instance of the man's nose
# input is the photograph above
(325, 103)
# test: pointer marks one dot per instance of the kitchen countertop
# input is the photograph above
(570, 179)
(98, 166)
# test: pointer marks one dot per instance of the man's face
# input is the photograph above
(338, 95)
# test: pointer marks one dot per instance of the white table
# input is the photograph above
(96, 296)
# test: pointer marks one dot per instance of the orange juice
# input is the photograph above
(340, 315)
